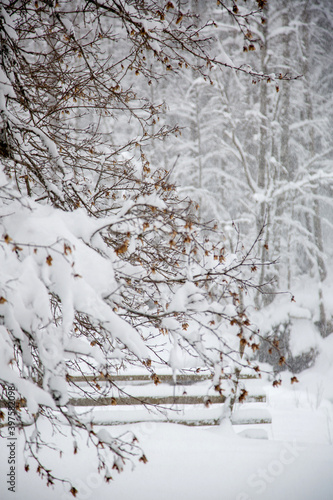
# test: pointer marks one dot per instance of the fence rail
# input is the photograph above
(183, 378)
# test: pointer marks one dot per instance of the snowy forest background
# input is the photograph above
(166, 197)
(262, 154)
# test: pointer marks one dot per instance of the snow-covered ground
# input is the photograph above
(294, 463)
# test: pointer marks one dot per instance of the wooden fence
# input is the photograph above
(193, 401)
(189, 399)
